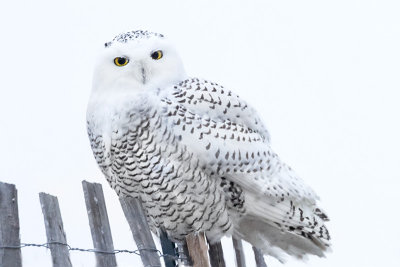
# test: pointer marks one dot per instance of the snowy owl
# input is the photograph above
(196, 154)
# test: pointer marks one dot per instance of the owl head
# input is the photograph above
(136, 61)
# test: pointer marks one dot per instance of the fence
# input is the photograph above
(192, 253)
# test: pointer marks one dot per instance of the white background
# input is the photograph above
(324, 75)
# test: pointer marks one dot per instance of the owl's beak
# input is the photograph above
(140, 72)
(143, 72)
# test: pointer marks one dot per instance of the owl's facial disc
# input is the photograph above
(138, 64)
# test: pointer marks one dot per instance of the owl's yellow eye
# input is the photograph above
(157, 55)
(121, 61)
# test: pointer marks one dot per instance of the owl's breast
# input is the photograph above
(144, 158)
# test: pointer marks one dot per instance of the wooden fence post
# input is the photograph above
(216, 255)
(168, 248)
(99, 224)
(136, 218)
(238, 247)
(9, 227)
(183, 252)
(55, 231)
(260, 262)
(197, 247)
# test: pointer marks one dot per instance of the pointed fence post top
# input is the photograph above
(55, 230)
(136, 217)
(99, 224)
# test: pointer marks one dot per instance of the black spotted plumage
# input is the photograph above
(200, 159)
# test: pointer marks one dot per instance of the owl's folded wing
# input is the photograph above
(229, 139)
(232, 145)
(213, 100)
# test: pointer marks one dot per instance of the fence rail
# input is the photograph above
(194, 252)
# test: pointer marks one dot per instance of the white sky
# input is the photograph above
(323, 74)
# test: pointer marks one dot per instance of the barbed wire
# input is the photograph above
(115, 251)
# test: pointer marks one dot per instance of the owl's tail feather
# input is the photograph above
(283, 228)
(276, 243)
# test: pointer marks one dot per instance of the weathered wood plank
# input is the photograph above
(197, 247)
(9, 226)
(183, 252)
(259, 256)
(99, 224)
(238, 247)
(136, 218)
(55, 230)
(168, 248)
(216, 255)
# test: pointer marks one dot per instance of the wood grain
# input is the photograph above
(9, 226)
(99, 224)
(55, 230)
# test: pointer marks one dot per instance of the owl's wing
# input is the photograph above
(228, 139)
(213, 100)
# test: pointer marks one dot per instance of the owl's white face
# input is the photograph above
(137, 65)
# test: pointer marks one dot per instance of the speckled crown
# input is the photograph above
(133, 35)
